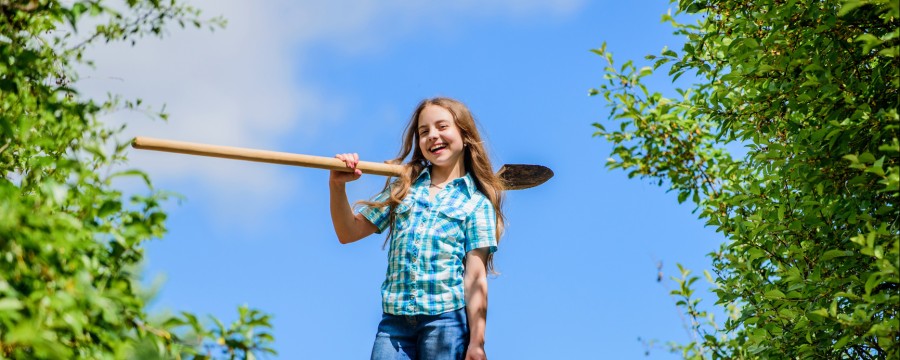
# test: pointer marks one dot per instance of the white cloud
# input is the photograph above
(239, 85)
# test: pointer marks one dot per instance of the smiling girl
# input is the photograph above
(444, 220)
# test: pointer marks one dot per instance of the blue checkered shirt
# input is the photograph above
(429, 241)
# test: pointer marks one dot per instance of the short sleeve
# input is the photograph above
(378, 216)
(481, 227)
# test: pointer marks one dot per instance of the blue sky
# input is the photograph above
(578, 260)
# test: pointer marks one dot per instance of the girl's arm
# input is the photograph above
(476, 289)
(348, 227)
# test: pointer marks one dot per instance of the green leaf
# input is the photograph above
(852, 158)
(876, 167)
(669, 52)
(831, 254)
(872, 281)
(891, 52)
(842, 342)
(850, 5)
(646, 70)
(774, 294)
(869, 42)
(866, 157)
(10, 304)
(132, 173)
(818, 314)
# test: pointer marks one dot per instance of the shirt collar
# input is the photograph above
(468, 183)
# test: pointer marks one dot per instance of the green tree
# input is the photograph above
(809, 267)
(70, 242)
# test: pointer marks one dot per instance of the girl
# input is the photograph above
(444, 221)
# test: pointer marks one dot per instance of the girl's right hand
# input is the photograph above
(340, 177)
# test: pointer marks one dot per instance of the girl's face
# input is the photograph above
(439, 137)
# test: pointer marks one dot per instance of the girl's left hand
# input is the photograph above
(475, 352)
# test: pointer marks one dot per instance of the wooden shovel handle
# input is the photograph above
(274, 157)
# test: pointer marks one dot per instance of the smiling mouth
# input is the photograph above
(437, 148)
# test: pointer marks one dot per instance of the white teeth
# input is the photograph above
(438, 147)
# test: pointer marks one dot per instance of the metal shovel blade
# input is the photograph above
(523, 176)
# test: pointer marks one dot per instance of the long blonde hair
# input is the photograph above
(477, 163)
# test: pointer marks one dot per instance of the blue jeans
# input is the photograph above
(425, 337)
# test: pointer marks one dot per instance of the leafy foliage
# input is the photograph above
(240, 340)
(810, 88)
(70, 242)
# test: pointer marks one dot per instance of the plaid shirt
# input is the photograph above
(429, 242)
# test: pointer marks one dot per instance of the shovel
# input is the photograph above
(514, 176)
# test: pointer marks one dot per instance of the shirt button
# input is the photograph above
(415, 259)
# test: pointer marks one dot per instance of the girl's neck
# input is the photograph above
(441, 175)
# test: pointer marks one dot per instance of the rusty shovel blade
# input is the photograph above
(523, 176)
